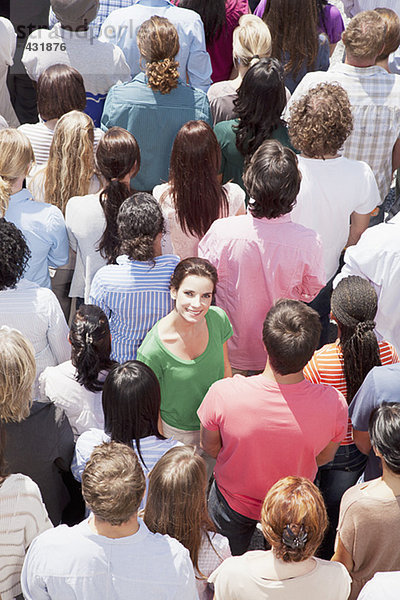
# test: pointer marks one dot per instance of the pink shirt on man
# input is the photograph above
(269, 431)
(258, 262)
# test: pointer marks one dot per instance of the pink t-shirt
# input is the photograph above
(269, 431)
(258, 262)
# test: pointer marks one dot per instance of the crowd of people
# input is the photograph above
(199, 331)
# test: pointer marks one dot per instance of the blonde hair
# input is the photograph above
(158, 44)
(16, 155)
(71, 161)
(251, 40)
(17, 374)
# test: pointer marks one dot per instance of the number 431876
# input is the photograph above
(45, 46)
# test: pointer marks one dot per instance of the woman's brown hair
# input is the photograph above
(60, 89)
(176, 501)
(158, 44)
(294, 519)
(294, 30)
(198, 196)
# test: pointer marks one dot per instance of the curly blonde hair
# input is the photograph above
(158, 44)
(321, 121)
(71, 161)
(16, 155)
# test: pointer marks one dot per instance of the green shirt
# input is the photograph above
(232, 161)
(184, 383)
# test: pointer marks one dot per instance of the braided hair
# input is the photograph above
(354, 304)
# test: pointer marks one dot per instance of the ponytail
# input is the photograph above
(5, 193)
(111, 199)
(163, 75)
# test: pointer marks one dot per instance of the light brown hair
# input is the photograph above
(60, 89)
(296, 502)
(364, 36)
(113, 483)
(392, 35)
(158, 44)
(16, 155)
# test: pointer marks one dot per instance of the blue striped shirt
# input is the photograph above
(134, 295)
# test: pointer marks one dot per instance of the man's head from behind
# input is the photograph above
(272, 180)
(364, 38)
(75, 14)
(113, 483)
(291, 333)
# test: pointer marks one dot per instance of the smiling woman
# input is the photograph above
(187, 348)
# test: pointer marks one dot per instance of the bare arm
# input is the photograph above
(362, 441)
(227, 364)
(358, 224)
(342, 555)
(327, 454)
(210, 441)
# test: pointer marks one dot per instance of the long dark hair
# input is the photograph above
(90, 346)
(259, 104)
(293, 26)
(198, 196)
(116, 155)
(212, 13)
(131, 404)
(320, 4)
(354, 304)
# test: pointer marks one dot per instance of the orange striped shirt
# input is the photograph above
(326, 366)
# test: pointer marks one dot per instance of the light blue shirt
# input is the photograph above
(134, 295)
(121, 27)
(154, 119)
(45, 232)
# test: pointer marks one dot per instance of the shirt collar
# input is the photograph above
(282, 219)
(20, 196)
(152, 2)
(363, 71)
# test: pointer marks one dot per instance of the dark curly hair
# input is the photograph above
(272, 180)
(321, 120)
(139, 221)
(14, 255)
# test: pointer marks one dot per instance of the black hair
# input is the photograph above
(212, 13)
(320, 10)
(139, 221)
(90, 346)
(354, 304)
(131, 404)
(384, 431)
(14, 254)
(260, 101)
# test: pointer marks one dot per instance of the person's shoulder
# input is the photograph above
(333, 571)
(215, 313)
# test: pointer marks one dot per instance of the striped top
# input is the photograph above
(134, 295)
(22, 517)
(326, 366)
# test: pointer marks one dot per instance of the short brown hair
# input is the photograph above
(364, 37)
(297, 503)
(321, 120)
(113, 483)
(392, 36)
(158, 43)
(60, 89)
(290, 334)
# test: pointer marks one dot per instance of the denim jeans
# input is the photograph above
(333, 480)
(236, 527)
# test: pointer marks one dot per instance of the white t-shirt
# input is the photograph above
(183, 244)
(241, 578)
(330, 191)
(383, 586)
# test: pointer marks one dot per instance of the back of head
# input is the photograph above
(158, 43)
(321, 121)
(117, 155)
(251, 40)
(354, 304)
(131, 403)
(113, 483)
(392, 35)
(17, 374)
(272, 180)
(60, 89)
(90, 345)
(260, 101)
(71, 163)
(294, 519)
(176, 501)
(290, 334)
(75, 14)
(14, 254)
(140, 221)
(16, 156)
(364, 36)
(384, 431)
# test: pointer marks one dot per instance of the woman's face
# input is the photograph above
(193, 297)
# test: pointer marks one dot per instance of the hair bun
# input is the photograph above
(364, 327)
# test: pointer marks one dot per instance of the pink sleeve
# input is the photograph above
(208, 248)
(313, 276)
(207, 412)
(342, 418)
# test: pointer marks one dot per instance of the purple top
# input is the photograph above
(332, 24)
